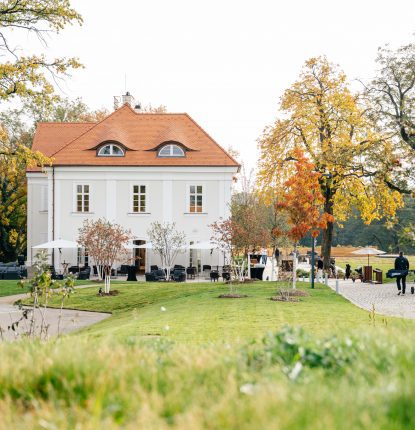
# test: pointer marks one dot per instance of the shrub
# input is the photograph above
(294, 349)
(301, 273)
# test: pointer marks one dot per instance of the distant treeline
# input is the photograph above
(390, 237)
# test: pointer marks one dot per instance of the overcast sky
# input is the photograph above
(226, 63)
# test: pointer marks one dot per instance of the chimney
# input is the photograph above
(128, 98)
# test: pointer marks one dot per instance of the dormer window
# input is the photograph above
(111, 150)
(171, 150)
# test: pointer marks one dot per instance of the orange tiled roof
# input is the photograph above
(73, 144)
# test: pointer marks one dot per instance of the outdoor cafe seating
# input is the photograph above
(12, 271)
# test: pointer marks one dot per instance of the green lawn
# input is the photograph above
(175, 356)
(10, 288)
(194, 313)
(376, 262)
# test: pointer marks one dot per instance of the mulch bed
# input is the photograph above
(289, 296)
(232, 296)
(284, 299)
(295, 293)
(111, 293)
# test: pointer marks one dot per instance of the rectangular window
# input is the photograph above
(139, 198)
(82, 198)
(195, 199)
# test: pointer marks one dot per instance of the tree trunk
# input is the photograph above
(327, 232)
(295, 267)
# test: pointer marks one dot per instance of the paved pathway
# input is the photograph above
(383, 296)
(71, 320)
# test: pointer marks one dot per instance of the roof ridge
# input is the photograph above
(213, 140)
(96, 124)
(65, 122)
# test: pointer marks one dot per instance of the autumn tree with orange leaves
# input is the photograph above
(302, 201)
(329, 122)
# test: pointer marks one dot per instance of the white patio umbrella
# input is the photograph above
(147, 245)
(131, 246)
(368, 252)
(203, 245)
(60, 243)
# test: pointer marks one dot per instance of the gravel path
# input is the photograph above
(383, 296)
(70, 320)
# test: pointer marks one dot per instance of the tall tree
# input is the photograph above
(167, 242)
(14, 158)
(64, 110)
(393, 91)
(106, 243)
(29, 76)
(327, 121)
(302, 201)
(15, 155)
(392, 100)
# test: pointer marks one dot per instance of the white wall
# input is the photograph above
(37, 212)
(111, 198)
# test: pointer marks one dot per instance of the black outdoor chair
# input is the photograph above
(206, 267)
(122, 270)
(226, 276)
(72, 269)
(191, 272)
(11, 273)
(155, 276)
(85, 273)
(178, 275)
(214, 275)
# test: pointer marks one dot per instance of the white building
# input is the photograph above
(132, 168)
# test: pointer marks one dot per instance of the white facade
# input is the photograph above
(53, 211)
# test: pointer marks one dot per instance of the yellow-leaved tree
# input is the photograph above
(321, 116)
(29, 78)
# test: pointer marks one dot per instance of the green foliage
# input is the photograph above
(152, 384)
(294, 349)
(302, 273)
(28, 76)
(130, 372)
(388, 236)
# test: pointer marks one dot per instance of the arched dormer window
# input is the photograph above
(171, 150)
(111, 150)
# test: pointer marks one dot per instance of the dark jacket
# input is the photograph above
(320, 264)
(401, 263)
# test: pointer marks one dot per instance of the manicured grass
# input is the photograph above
(10, 288)
(175, 356)
(376, 262)
(108, 383)
(194, 313)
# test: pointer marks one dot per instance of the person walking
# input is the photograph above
(320, 267)
(348, 271)
(277, 256)
(264, 254)
(401, 263)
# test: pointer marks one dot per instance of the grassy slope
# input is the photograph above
(195, 314)
(107, 383)
(113, 375)
(10, 288)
